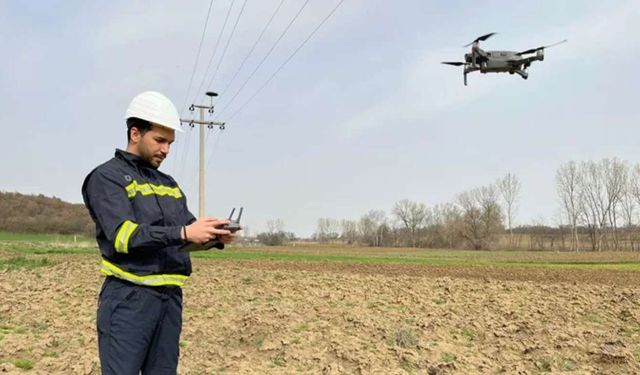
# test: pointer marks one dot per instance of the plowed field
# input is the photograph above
(289, 317)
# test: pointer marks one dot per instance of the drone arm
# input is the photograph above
(527, 60)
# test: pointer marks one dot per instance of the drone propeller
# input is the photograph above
(534, 50)
(481, 39)
(454, 63)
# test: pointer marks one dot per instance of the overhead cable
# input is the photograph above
(224, 52)
(224, 90)
(286, 61)
(284, 32)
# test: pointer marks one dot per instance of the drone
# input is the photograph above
(499, 61)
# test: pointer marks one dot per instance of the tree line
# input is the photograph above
(40, 214)
(599, 204)
(598, 211)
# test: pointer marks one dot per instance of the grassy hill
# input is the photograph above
(20, 213)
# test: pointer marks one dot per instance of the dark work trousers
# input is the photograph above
(138, 328)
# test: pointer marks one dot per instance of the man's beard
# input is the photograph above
(151, 158)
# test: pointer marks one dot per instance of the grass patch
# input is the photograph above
(41, 247)
(44, 237)
(259, 341)
(248, 280)
(279, 360)
(469, 334)
(439, 301)
(25, 364)
(405, 338)
(593, 318)
(301, 328)
(19, 262)
(545, 365)
(566, 365)
(273, 300)
(520, 259)
(407, 365)
(448, 357)
(623, 261)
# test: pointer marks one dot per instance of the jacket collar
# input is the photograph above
(133, 159)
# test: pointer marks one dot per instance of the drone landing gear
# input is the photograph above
(522, 73)
(465, 78)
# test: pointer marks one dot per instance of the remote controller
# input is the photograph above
(232, 227)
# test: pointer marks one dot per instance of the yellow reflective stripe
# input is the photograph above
(110, 269)
(124, 234)
(149, 189)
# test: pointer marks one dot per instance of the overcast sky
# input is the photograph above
(364, 115)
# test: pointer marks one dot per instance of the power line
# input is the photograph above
(204, 78)
(195, 64)
(253, 47)
(286, 61)
(267, 55)
(214, 148)
(224, 52)
(215, 49)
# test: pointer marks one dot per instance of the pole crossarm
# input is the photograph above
(188, 121)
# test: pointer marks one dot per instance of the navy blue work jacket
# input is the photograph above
(139, 213)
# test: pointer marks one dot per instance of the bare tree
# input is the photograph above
(412, 215)
(275, 226)
(349, 232)
(603, 186)
(616, 175)
(627, 208)
(481, 216)
(634, 186)
(327, 230)
(446, 222)
(509, 189)
(275, 235)
(372, 226)
(634, 183)
(569, 186)
(594, 201)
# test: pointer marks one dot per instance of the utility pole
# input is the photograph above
(210, 124)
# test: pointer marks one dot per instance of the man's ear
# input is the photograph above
(135, 135)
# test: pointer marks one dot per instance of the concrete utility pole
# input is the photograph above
(209, 124)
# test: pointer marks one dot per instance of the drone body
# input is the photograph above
(499, 61)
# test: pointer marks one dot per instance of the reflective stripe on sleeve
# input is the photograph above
(124, 234)
(110, 269)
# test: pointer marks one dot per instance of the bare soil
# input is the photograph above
(268, 317)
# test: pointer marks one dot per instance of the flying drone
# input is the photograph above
(499, 61)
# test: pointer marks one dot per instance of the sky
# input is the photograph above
(362, 116)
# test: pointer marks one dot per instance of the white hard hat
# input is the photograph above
(156, 108)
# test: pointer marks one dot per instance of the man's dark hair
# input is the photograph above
(142, 125)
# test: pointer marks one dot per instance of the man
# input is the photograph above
(142, 219)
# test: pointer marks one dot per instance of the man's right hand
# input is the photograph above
(204, 230)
